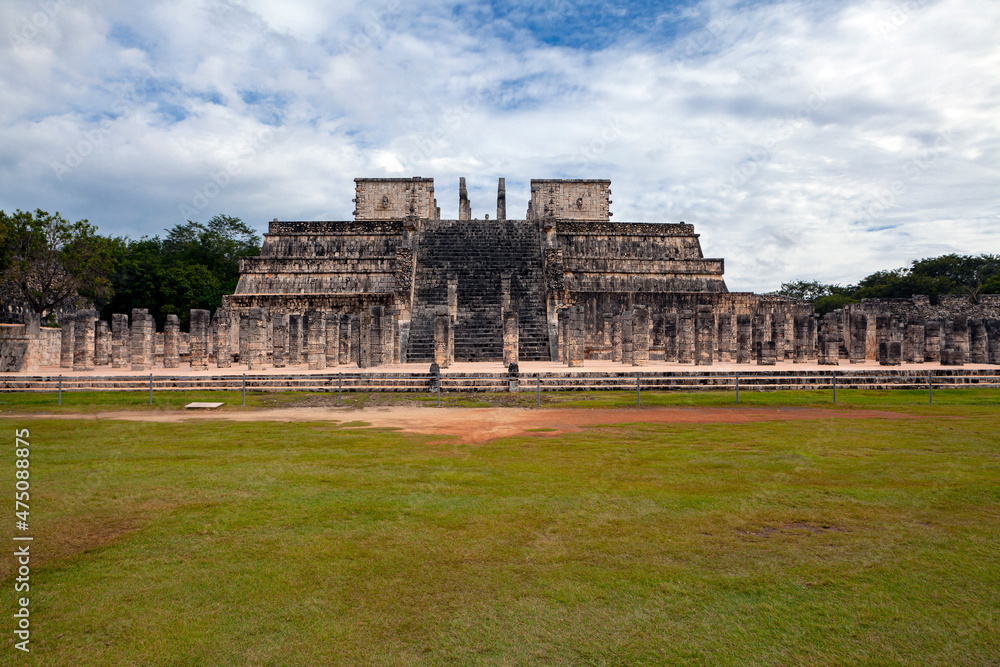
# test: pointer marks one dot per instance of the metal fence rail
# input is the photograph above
(354, 382)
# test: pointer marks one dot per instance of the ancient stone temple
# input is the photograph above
(400, 265)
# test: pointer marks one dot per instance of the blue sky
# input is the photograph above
(805, 140)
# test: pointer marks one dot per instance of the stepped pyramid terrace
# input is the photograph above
(564, 285)
(490, 283)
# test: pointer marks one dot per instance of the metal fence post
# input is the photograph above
(930, 387)
(60, 389)
(340, 389)
(737, 387)
(638, 392)
(244, 389)
(150, 388)
(538, 390)
(439, 391)
(835, 386)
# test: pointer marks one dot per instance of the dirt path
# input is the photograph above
(483, 424)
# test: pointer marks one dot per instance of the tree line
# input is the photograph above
(46, 262)
(969, 275)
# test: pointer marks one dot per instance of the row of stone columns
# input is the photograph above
(951, 341)
(317, 339)
(697, 337)
(701, 336)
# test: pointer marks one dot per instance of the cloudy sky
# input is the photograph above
(807, 140)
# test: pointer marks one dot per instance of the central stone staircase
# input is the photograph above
(478, 253)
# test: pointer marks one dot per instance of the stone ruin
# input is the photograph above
(398, 284)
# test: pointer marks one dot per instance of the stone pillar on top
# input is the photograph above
(670, 337)
(628, 337)
(977, 341)
(685, 337)
(67, 340)
(102, 344)
(119, 341)
(640, 336)
(576, 340)
(704, 335)
(83, 340)
(171, 342)
(801, 325)
(141, 340)
(442, 324)
(932, 341)
(859, 338)
(726, 349)
(829, 341)
(744, 339)
(332, 343)
(913, 343)
(510, 336)
(223, 338)
(198, 338)
(294, 339)
(256, 339)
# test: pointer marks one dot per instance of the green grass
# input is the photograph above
(95, 401)
(824, 542)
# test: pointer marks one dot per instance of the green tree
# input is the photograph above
(831, 302)
(968, 274)
(192, 267)
(217, 245)
(901, 284)
(45, 260)
(810, 290)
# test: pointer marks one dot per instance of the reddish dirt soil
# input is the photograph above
(474, 425)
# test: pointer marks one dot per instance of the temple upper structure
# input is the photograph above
(400, 257)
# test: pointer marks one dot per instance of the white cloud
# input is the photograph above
(804, 141)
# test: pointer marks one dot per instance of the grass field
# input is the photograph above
(818, 542)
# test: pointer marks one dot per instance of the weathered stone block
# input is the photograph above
(256, 339)
(859, 338)
(992, 341)
(510, 336)
(223, 338)
(294, 339)
(198, 339)
(685, 337)
(314, 325)
(332, 343)
(670, 337)
(171, 337)
(640, 336)
(119, 340)
(704, 341)
(141, 340)
(102, 344)
(977, 342)
(744, 338)
(67, 341)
